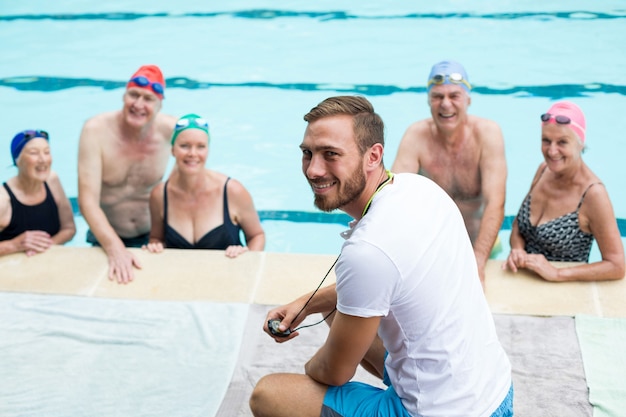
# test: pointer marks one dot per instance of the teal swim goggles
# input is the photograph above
(190, 121)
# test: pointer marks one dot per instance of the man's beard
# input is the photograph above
(347, 193)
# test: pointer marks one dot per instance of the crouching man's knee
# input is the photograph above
(262, 397)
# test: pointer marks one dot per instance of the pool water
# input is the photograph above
(254, 68)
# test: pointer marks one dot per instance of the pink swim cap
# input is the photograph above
(570, 115)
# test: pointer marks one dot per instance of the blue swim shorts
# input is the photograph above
(356, 399)
(505, 409)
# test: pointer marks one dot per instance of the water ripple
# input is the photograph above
(266, 14)
(335, 218)
(554, 92)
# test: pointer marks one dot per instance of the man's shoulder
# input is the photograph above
(167, 119)
(418, 135)
(101, 119)
(164, 124)
(96, 125)
(412, 205)
(483, 125)
(486, 132)
(158, 190)
(420, 128)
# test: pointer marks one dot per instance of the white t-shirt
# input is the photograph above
(410, 261)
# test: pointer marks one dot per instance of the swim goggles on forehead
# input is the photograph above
(199, 122)
(31, 134)
(562, 120)
(455, 78)
(142, 81)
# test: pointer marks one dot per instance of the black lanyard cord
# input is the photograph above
(311, 297)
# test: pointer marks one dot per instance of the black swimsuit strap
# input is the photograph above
(48, 192)
(6, 186)
(580, 203)
(12, 196)
(165, 202)
(225, 209)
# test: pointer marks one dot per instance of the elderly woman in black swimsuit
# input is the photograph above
(197, 208)
(34, 211)
(566, 208)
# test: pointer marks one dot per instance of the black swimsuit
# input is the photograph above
(221, 237)
(43, 216)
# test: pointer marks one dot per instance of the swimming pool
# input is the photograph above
(254, 68)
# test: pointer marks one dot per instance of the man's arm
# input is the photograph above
(407, 157)
(322, 301)
(90, 167)
(493, 174)
(348, 342)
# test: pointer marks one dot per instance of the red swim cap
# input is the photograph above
(149, 77)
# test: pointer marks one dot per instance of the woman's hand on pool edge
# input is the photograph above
(234, 251)
(32, 242)
(540, 266)
(153, 247)
(515, 260)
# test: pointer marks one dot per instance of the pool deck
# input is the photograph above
(533, 317)
(273, 278)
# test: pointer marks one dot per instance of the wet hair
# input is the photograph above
(369, 128)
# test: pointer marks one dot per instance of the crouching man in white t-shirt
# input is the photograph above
(409, 305)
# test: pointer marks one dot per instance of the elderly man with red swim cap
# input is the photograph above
(566, 208)
(462, 153)
(122, 155)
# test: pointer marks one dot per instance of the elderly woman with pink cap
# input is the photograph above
(566, 208)
(198, 208)
(34, 211)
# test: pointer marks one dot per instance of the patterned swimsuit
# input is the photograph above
(559, 239)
